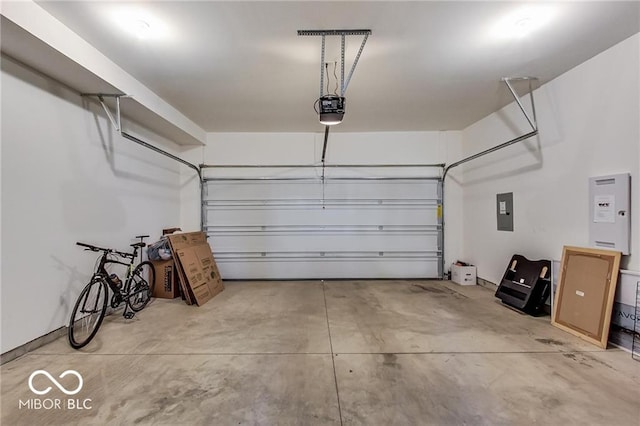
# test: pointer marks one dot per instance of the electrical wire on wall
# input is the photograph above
(335, 77)
(326, 71)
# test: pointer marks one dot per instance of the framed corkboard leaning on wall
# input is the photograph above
(586, 288)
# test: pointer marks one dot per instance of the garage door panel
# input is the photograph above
(397, 189)
(345, 241)
(328, 269)
(378, 216)
(270, 190)
(315, 190)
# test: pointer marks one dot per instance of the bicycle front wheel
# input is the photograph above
(88, 313)
(139, 288)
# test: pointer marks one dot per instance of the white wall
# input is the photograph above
(345, 148)
(67, 177)
(589, 126)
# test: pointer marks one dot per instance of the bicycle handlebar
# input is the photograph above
(105, 250)
(93, 248)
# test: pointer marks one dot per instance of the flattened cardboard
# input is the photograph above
(586, 289)
(189, 239)
(197, 266)
(209, 268)
(186, 290)
(194, 274)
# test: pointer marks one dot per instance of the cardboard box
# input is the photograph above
(463, 275)
(200, 278)
(166, 281)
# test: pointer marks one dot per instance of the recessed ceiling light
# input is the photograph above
(523, 21)
(140, 23)
(141, 28)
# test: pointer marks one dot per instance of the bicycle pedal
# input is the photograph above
(128, 315)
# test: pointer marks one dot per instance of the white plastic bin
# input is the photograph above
(463, 275)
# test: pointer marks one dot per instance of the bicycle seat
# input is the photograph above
(141, 244)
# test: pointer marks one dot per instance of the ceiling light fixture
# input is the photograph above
(141, 28)
(523, 21)
(331, 107)
(140, 23)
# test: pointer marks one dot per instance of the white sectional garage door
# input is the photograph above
(342, 228)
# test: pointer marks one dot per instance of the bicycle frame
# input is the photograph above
(101, 272)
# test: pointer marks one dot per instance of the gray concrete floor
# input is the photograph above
(348, 352)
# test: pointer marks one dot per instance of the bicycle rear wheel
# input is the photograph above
(139, 288)
(88, 313)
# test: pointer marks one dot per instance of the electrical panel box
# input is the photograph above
(504, 211)
(609, 212)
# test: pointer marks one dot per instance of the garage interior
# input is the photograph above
(472, 132)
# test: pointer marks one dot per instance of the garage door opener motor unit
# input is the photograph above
(331, 109)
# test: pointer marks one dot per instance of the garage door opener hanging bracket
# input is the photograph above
(342, 34)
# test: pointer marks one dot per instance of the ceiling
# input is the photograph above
(240, 66)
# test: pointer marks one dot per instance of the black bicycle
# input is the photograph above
(91, 306)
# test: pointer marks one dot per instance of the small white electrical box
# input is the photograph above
(609, 212)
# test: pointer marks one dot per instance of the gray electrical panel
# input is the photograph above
(504, 211)
(609, 212)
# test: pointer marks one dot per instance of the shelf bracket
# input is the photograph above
(532, 120)
(115, 120)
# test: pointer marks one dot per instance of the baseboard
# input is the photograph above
(32, 345)
(486, 284)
